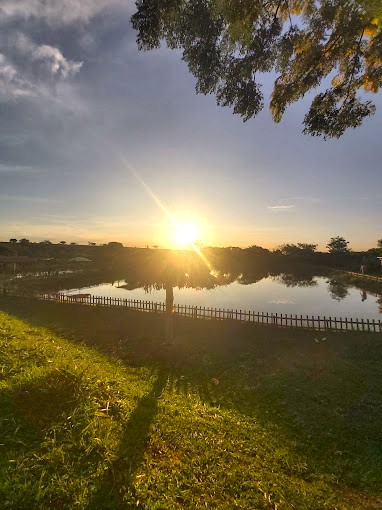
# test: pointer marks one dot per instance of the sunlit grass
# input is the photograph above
(252, 425)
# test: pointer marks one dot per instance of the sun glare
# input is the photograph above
(185, 234)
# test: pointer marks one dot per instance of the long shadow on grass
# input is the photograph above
(323, 399)
(118, 478)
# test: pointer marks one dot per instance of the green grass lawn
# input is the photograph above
(98, 412)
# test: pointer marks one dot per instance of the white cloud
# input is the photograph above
(55, 62)
(31, 70)
(12, 84)
(9, 168)
(281, 207)
(56, 11)
(309, 199)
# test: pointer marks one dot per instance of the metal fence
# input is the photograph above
(200, 312)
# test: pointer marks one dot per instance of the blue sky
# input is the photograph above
(78, 101)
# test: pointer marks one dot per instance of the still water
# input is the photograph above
(321, 297)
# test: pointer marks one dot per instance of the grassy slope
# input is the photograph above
(229, 416)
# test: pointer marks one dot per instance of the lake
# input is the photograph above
(320, 296)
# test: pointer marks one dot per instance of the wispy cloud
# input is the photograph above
(309, 199)
(33, 199)
(282, 302)
(28, 69)
(64, 11)
(20, 169)
(279, 208)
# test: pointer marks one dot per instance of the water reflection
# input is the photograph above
(283, 293)
(338, 289)
(294, 280)
(238, 281)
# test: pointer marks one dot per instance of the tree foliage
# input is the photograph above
(298, 249)
(374, 9)
(335, 45)
(257, 250)
(338, 245)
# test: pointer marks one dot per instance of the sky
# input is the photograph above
(86, 119)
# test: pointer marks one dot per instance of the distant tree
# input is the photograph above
(62, 242)
(24, 241)
(46, 242)
(13, 240)
(91, 244)
(155, 246)
(115, 244)
(73, 244)
(338, 245)
(307, 248)
(297, 249)
(379, 243)
(228, 45)
(258, 250)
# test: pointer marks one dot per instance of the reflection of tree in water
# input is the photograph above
(338, 290)
(250, 277)
(379, 301)
(157, 270)
(295, 280)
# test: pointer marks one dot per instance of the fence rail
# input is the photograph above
(200, 312)
(366, 276)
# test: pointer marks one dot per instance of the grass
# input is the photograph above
(98, 412)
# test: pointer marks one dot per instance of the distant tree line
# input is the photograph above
(228, 259)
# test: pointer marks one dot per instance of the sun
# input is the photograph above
(185, 234)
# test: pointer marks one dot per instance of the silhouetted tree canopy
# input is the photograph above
(298, 249)
(338, 245)
(228, 44)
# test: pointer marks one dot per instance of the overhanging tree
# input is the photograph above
(333, 45)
